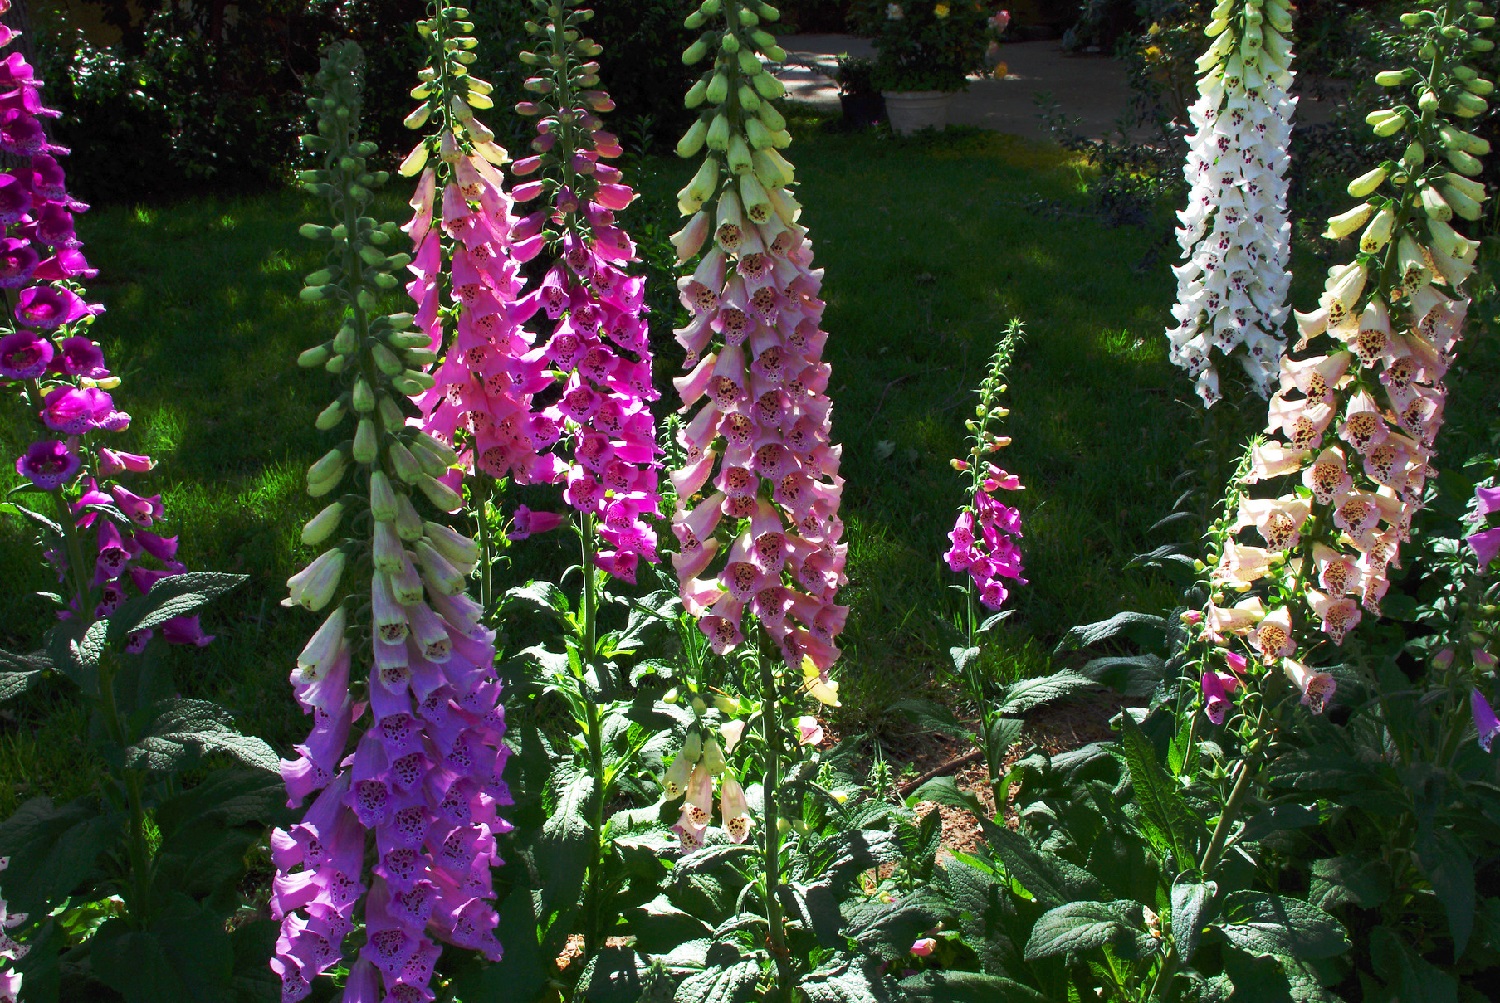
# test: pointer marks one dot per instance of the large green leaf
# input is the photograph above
(18, 673)
(887, 930)
(846, 982)
(1409, 978)
(1356, 879)
(1028, 693)
(1260, 923)
(74, 648)
(816, 907)
(945, 791)
(54, 849)
(176, 596)
(966, 987)
(1048, 878)
(1450, 868)
(1077, 927)
(185, 957)
(1167, 820)
(1191, 905)
(1134, 676)
(976, 893)
(659, 925)
(928, 716)
(183, 731)
(732, 983)
(1144, 629)
(562, 850)
(614, 975)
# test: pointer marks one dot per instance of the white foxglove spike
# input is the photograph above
(1234, 233)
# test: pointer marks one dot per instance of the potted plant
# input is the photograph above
(926, 50)
(858, 96)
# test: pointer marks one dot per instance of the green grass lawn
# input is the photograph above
(928, 253)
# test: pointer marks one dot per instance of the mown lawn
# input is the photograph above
(929, 250)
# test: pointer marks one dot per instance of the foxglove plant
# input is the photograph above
(1353, 427)
(589, 315)
(468, 251)
(984, 543)
(597, 346)
(1235, 237)
(758, 497)
(401, 660)
(100, 535)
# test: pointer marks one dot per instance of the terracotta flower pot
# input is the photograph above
(910, 111)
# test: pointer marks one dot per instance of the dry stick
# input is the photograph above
(942, 771)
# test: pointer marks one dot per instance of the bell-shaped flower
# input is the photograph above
(1485, 721)
(1316, 687)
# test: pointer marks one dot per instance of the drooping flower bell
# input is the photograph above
(1235, 235)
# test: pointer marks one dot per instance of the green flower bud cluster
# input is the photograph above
(1410, 202)
(450, 94)
(983, 428)
(739, 122)
(373, 476)
(1246, 30)
(565, 78)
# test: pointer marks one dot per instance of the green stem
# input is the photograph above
(483, 487)
(593, 935)
(1249, 768)
(771, 720)
(132, 783)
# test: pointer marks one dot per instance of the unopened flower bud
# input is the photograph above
(322, 525)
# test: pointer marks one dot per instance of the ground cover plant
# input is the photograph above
(617, 570)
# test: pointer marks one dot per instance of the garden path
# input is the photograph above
(1091, 88)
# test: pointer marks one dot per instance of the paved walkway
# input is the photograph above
(1090, 88)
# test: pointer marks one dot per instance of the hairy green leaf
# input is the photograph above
(733, 983)
(1259, 923)
(53, 849)
(847, 982)
(178, 595)
(1169, 823)
(185, 957)
(1049, 879)
(1131, 675)
(1028, 693)
(966, 987)
(1076, 927)
(1143, 628)
(887, 930)
(1451, 870)
(1191, 902)
(183, 731)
